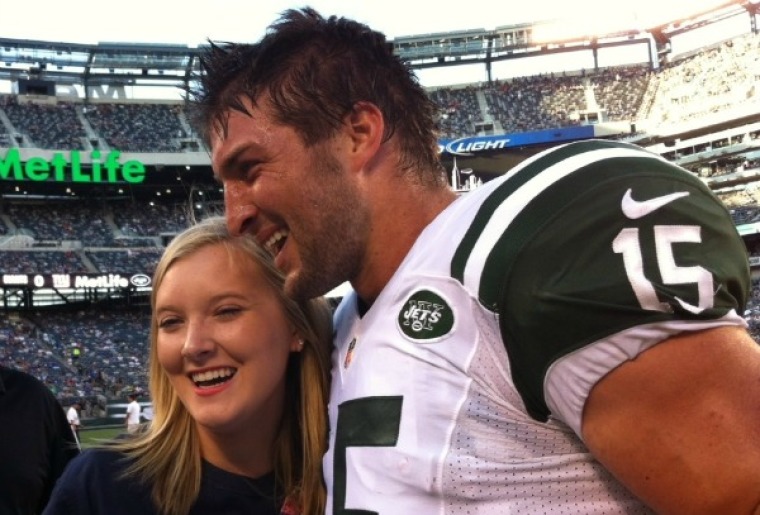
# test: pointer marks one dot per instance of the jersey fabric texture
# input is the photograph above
(460, 391)
(93, 484)
(36, 443)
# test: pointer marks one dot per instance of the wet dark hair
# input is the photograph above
(314, 70)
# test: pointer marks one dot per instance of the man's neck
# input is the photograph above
(397, 226)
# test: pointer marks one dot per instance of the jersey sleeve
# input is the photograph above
(615, 255)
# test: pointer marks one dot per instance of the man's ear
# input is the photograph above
(365, 126)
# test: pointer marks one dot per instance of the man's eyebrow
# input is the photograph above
(230, 161)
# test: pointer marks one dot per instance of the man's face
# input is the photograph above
(302, 203)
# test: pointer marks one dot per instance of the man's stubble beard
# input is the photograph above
(331, 232)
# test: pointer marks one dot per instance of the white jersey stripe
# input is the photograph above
(566, 399)
(511, 207)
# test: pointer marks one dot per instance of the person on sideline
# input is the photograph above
(36, 443)
(72, 415)
(566, 338)
(132, 418)
(238, 378)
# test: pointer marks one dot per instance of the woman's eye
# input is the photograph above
(228, 311)
(168, 323)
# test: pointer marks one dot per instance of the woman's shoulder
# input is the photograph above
(94, 482)
(99, 462)
(94, 470)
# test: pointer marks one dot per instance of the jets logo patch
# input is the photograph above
(426, 317)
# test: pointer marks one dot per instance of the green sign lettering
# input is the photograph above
(61, 169)
(12, 160)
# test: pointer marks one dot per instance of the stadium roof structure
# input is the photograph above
(134, 64)
(94, 65)
(176, 65)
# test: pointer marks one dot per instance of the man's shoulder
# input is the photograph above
(21, 384)
(19, 379)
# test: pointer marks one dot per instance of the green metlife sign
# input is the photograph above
(71, 169)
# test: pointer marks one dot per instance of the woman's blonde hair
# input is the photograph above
(167, 455)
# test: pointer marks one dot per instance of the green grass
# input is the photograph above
(90, 437)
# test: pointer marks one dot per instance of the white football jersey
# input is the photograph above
(460, 391)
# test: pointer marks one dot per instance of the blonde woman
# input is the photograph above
(238, 379)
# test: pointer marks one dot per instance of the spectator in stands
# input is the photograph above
(36, 443)
(132, 418)
(238, 379)
(575, 322)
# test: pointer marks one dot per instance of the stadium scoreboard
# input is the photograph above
(75, 281)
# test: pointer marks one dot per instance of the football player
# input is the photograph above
(567, 338)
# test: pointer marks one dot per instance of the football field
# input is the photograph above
(90, 437)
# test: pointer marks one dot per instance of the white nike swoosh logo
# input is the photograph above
(635, 209)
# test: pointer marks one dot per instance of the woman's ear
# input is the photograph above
(296, 343)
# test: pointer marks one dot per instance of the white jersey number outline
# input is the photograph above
(627, 243)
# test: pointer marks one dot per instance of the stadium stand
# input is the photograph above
(138, 127)
(46, 126)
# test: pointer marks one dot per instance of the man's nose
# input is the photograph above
(239, 210)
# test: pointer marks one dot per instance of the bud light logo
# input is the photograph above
(472, 145)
